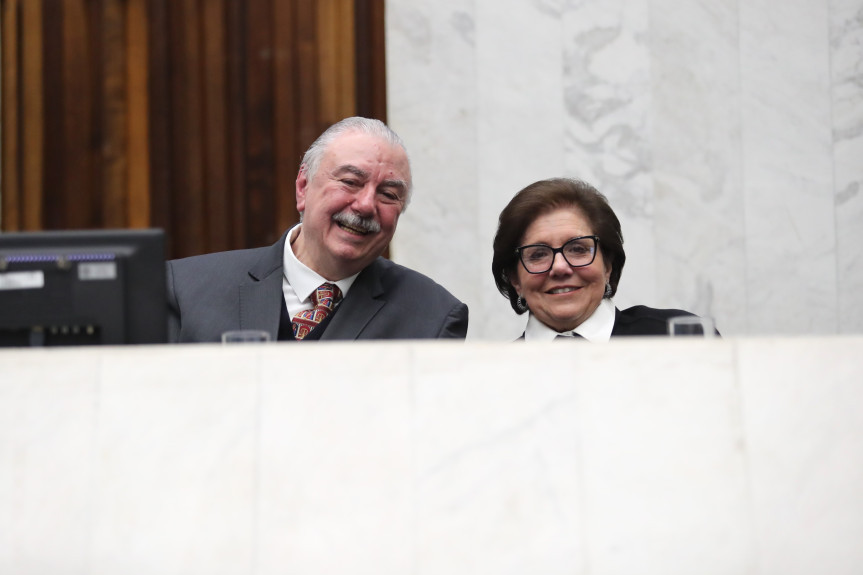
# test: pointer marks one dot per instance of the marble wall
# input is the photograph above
(727, 135)
(657, 456)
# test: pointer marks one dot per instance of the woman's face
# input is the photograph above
(564, 296)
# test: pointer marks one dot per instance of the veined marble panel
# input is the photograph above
(431, 52)
(787, 168)
(804, 457)
(497, 472)
(700, 236)
(648, 456)
(174, 487)
(846, 57)
(336, 478)
(606, 88)
(520, 128)
(726, 135)
(48, 411)
(639, 471)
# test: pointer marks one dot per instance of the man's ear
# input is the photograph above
(302, 187)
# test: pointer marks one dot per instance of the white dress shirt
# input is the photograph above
(299, 281)
(597, 328)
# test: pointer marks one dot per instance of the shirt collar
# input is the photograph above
(597, 328)
(303, 280)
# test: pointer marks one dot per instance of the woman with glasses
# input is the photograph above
(558, 255)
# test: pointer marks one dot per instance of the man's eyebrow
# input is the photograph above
(400, 185)
(350, 169)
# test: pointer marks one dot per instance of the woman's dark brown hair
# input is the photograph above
(541, 198)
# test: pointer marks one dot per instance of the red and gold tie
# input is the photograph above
(324, 298)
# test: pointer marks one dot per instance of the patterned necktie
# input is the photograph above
(570, 336)
(324, 298)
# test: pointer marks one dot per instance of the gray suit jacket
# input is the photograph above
(242, 289)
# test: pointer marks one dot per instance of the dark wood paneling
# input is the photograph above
(371, 93)
(306, 85)
(32, 115)
(160, 145)
(78, 188)
(54, 197)
(286, 153)
(187, 186)
(137, 75)
(114, 112)
(10, 73)
(236, 58)
(260, 219)
(335, 42)
(215, 129)
(189, 115)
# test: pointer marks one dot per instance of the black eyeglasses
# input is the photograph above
(578, 252)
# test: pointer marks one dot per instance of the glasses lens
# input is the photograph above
(579, 252)
(536, 258)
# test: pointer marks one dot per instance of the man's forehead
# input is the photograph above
(361, 143)
(359, 151)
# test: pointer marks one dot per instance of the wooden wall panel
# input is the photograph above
(286, 144)
(137, 75)
(335, 41)
(189, 115)
(236, 94)
(114, 95)
(370, 53)
(215, 128)
(308, 100)
(32, 115)
(10, 215)
(259, 105)
(54, 199)
(75, 170)
(187, 184)
(159, 146)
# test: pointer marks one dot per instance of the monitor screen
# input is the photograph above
(86, 287)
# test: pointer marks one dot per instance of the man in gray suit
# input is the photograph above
(353, 184)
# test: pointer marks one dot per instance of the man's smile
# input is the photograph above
(352, 229)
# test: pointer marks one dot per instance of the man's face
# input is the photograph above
(352, 204)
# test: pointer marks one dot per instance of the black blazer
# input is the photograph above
(642, 320)
(242, 289)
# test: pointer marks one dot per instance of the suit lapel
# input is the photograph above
(618, 328)
(358, 308)
(260, 299)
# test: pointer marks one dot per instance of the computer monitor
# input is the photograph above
(86, 287)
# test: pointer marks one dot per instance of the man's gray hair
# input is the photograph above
(313, 156)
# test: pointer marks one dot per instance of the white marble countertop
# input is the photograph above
(641, 456)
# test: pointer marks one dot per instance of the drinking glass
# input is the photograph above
(246, 336)
(691, 325)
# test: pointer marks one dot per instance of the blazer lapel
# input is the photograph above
(358, 308)
(260, 303)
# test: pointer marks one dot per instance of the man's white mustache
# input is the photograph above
(368, 225)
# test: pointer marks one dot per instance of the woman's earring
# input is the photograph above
(607, 289)
(521, 304)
